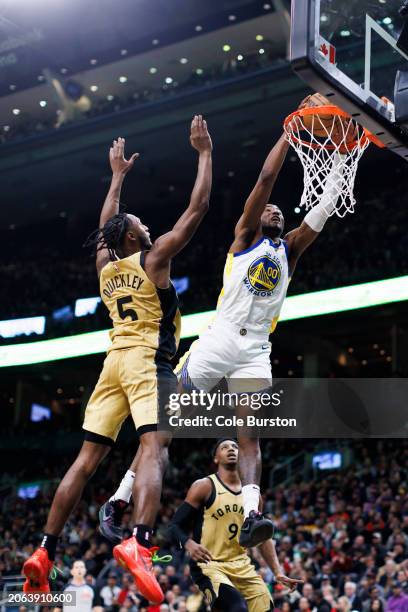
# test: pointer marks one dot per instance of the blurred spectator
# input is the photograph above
(343, 604)
(80, 589)
(376, 605)
(110, 594)
(350, 591)
(304, 605)
(322, 605)
(398, 602)
(195, 599)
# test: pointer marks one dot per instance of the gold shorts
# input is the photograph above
(133, 381)
(240, 575)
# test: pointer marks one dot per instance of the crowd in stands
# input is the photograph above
(344, 533)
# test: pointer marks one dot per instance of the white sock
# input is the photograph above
(124, 491)
(251, 494)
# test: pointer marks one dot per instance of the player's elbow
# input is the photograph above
(203, 205)
(266, 177)
(199, 208)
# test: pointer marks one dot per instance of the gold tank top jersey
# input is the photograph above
(222, 521)
(142, 314)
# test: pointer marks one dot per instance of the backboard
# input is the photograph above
(351, 51)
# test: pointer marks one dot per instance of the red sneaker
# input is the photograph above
(37, 569)
(138, 561)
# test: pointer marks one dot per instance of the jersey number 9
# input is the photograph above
(233, 529)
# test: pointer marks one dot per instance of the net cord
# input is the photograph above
(329, 161)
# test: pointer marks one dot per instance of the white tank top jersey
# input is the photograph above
(255, 285)
(84, 596)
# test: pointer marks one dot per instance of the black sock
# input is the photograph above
(143, 535)
(49, 542)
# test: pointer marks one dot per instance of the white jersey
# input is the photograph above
(255, 285)
(84, 596)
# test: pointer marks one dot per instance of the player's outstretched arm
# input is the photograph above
(120, 167)
(249, 224)
(185, 517)
(167, 246)
(268, 551)
(248, 228)
(303, 236)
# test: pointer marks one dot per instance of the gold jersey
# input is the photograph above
(221, 524)
(142, 314)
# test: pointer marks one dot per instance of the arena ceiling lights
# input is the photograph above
(314, 304)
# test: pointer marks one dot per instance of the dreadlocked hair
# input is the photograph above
(110, 236)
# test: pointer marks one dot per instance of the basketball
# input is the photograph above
(327, 124)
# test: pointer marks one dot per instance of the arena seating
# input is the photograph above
(338, 528)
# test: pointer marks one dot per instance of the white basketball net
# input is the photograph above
(329, 164)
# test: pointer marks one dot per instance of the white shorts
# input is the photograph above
(227, 351)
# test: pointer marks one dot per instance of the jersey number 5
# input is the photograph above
(126, 312)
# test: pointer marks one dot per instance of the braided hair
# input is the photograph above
(110, 236)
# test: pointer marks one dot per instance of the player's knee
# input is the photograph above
(89, 459)
(231, 600)
(86, 468)
(238, 606)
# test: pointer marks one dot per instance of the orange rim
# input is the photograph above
(317, 110)
(374, 139)
(336, 111)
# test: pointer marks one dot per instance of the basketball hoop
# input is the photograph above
(330, 145)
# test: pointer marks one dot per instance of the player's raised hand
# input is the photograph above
(197, 552)
(290, 583)
(118, 163)
(199, 136)
(296, 125)
(304, 103)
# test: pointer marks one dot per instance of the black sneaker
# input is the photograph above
(255, 530)
(110, 520)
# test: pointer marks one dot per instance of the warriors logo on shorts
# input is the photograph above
(263, 276)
